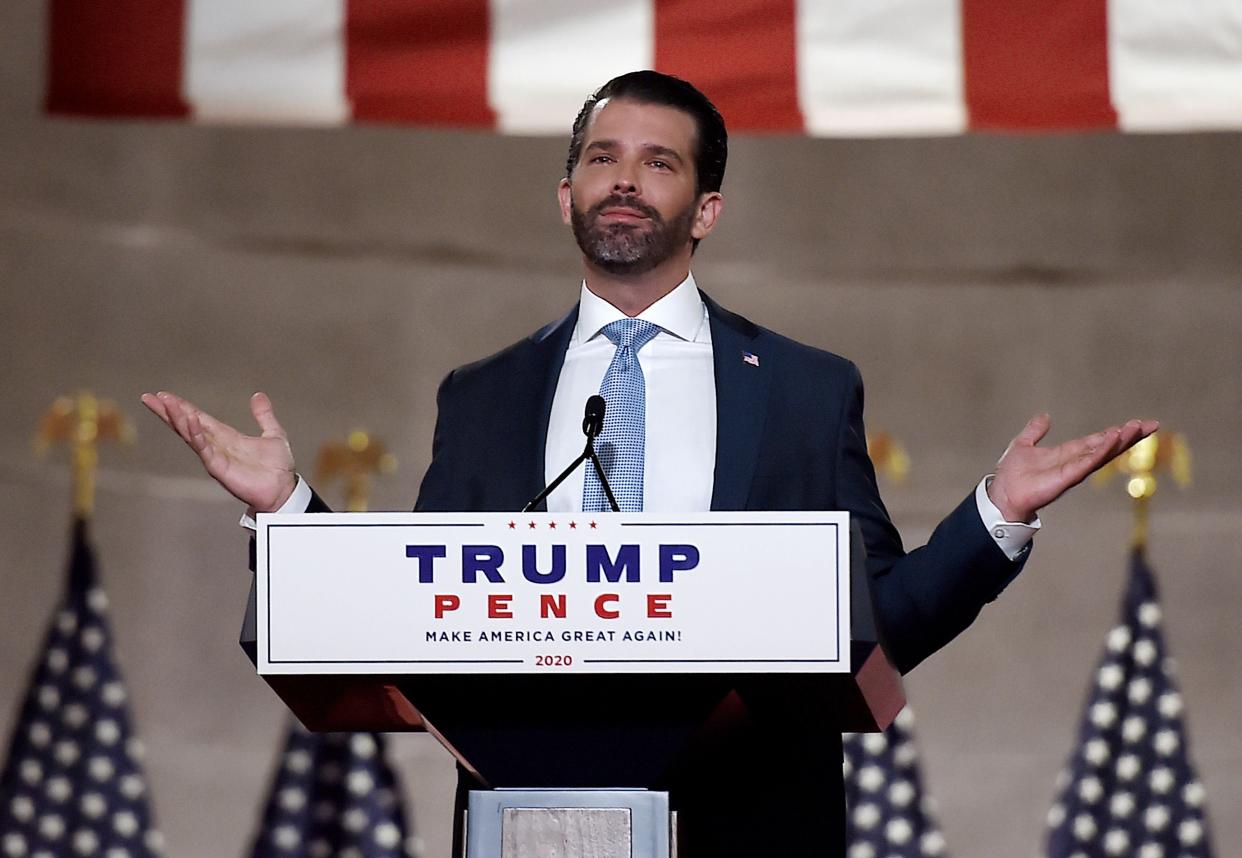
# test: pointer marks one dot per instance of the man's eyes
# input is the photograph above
(656, 163)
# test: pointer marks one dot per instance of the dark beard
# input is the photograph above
(623, 248)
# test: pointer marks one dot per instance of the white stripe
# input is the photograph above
(266, 60)
(1176, 65)
(867, 68)
(547, 56)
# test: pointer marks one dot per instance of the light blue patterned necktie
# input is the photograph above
(622, 443)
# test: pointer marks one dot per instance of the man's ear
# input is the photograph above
(710, 206)
(565, 197)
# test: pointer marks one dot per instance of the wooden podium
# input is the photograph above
(546, 730)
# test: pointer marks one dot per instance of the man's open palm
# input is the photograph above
(1029, 477)
(257, 470)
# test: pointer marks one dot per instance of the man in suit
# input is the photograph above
(730, 416)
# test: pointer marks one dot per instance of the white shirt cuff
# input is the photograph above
(1012, 537)
(297, 502)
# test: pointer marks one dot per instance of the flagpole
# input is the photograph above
(1161, 451)
(368, 817)
(73, 781)
(355, 460)
(1129, 786)
(80, 423)
(888, 455)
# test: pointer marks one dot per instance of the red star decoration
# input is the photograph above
(551, 525)
(512, 525)
(592, 525)
(532, 525)
(573, 525)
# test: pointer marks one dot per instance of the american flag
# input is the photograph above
(334, 794)
(1130, 787)
(845, 68)
(73, 782)
(889, 813)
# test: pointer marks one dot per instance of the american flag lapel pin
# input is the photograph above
(750, 358)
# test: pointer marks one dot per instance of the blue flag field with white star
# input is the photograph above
(73, 783)
(889, 814)
(334, 794)
(1130, 787)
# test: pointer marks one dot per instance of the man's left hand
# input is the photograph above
(1029, 478)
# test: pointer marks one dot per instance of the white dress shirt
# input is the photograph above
(679, 455)
(680, 449)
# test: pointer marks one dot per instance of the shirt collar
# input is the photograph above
(680, 312)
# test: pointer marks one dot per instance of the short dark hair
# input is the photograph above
(652, 87)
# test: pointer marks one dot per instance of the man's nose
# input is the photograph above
(625, 181)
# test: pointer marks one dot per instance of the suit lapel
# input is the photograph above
(534, 405)
(741, 405)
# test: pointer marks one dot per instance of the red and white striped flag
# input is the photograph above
(840, 68)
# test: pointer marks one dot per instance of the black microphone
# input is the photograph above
(593, 419)
(592, 425)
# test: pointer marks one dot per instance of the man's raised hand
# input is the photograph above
(1029, 477)
(256, 470)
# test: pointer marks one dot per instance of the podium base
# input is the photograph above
(574, 823)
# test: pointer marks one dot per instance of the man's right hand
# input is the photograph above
(258, 471)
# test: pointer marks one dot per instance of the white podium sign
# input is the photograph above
(411, 593)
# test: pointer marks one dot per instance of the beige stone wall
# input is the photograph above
(974, 279)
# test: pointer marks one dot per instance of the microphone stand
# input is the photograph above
(587, 453)
(599, 471)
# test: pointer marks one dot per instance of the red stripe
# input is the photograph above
(422, 62)
(122, 57)
(741, 53)
(1037, 64)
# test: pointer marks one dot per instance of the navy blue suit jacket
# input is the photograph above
(789, 436)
